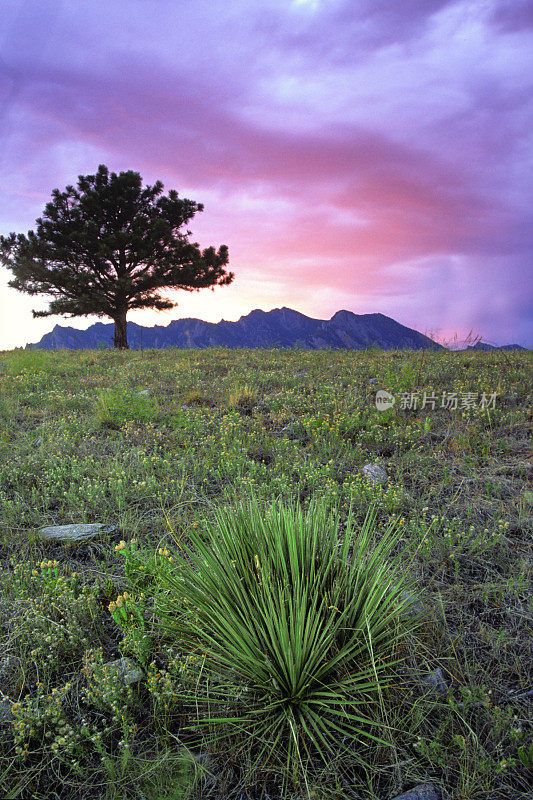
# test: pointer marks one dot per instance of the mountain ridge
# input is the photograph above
(280, 327)
(485, 347)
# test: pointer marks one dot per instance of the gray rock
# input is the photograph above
(4, 668)
(127, 670)
(289, 431)
(143, 392)
(375, 474)
(522, 696)
(75, 533)
(415, 606)
(6, 714)
(424, 791)
(436, 682)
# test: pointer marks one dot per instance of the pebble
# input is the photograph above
(436, 682)
(424, 791)
(375, 474)
(127, 670)
(6, 715)
(415, 606)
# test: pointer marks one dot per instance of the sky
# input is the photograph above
(369, 155)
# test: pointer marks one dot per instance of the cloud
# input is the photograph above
(342, 151)
(513, 15)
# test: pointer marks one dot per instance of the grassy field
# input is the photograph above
(159, 444)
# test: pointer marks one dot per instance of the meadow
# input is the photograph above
(199, 460)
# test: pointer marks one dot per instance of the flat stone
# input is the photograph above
(424, 791)
(127, 671)
(436, 681)
(144, 392)
(375, 474)
(75, 533)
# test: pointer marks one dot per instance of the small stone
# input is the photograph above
(143, 392)
(415, 607)
(291, 431)
(127, 671)
(75, 533)
(436, 682)
(424, 791)
(375, 474)
(4, 667)
(521, 696)
(6, 714)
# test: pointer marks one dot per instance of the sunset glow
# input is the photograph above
(368, 156)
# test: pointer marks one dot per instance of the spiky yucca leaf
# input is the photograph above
(298, 620)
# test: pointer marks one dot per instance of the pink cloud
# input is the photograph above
(324, 180)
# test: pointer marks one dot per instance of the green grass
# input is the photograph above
(79, 443)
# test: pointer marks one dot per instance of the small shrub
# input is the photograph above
(243, 399)
(197, 398)
(117, 407)
(298, 630)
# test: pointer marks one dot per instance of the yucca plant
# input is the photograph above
(298, 619)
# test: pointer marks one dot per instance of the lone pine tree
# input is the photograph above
(110, 245)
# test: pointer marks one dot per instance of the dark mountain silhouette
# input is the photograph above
(486, 347)
(281, 327)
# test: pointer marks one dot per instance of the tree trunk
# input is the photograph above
(121, 331)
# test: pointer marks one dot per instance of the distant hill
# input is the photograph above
(281, 327)
(486, 347)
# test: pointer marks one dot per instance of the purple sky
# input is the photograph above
(373, 155)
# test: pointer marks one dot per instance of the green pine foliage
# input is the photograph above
(110, 245)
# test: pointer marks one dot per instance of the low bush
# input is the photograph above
(117, 407)
(243, 399)
(297, 620)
